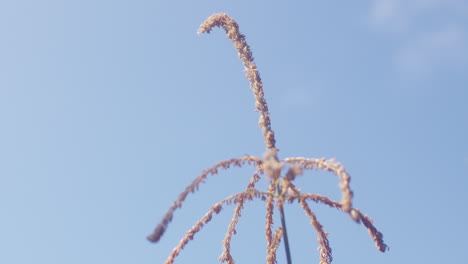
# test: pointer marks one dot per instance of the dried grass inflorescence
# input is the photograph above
(281, 188)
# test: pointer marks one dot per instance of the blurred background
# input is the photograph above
(109, 109)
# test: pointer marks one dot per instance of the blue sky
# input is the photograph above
(109, 109)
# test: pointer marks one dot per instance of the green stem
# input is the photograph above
(285, 232)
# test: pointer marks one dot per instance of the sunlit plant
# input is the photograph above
(279, 173)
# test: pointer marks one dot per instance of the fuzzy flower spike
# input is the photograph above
(281, 188)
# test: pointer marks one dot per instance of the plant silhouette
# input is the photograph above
(280, 173)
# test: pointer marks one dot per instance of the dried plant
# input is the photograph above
(281, 188)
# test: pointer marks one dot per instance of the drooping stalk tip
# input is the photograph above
(245, 54)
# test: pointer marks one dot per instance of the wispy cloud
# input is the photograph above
(430, 51)
(403, 15)
(300, 98)
(389, 14)
(431, 34)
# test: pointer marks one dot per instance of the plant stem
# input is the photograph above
(285, 231)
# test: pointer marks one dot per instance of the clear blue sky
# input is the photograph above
(108, 109)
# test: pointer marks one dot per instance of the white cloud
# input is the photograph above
(401, 15)
(432, 50)
(300, 98)
(389, 14)
(428, 35)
